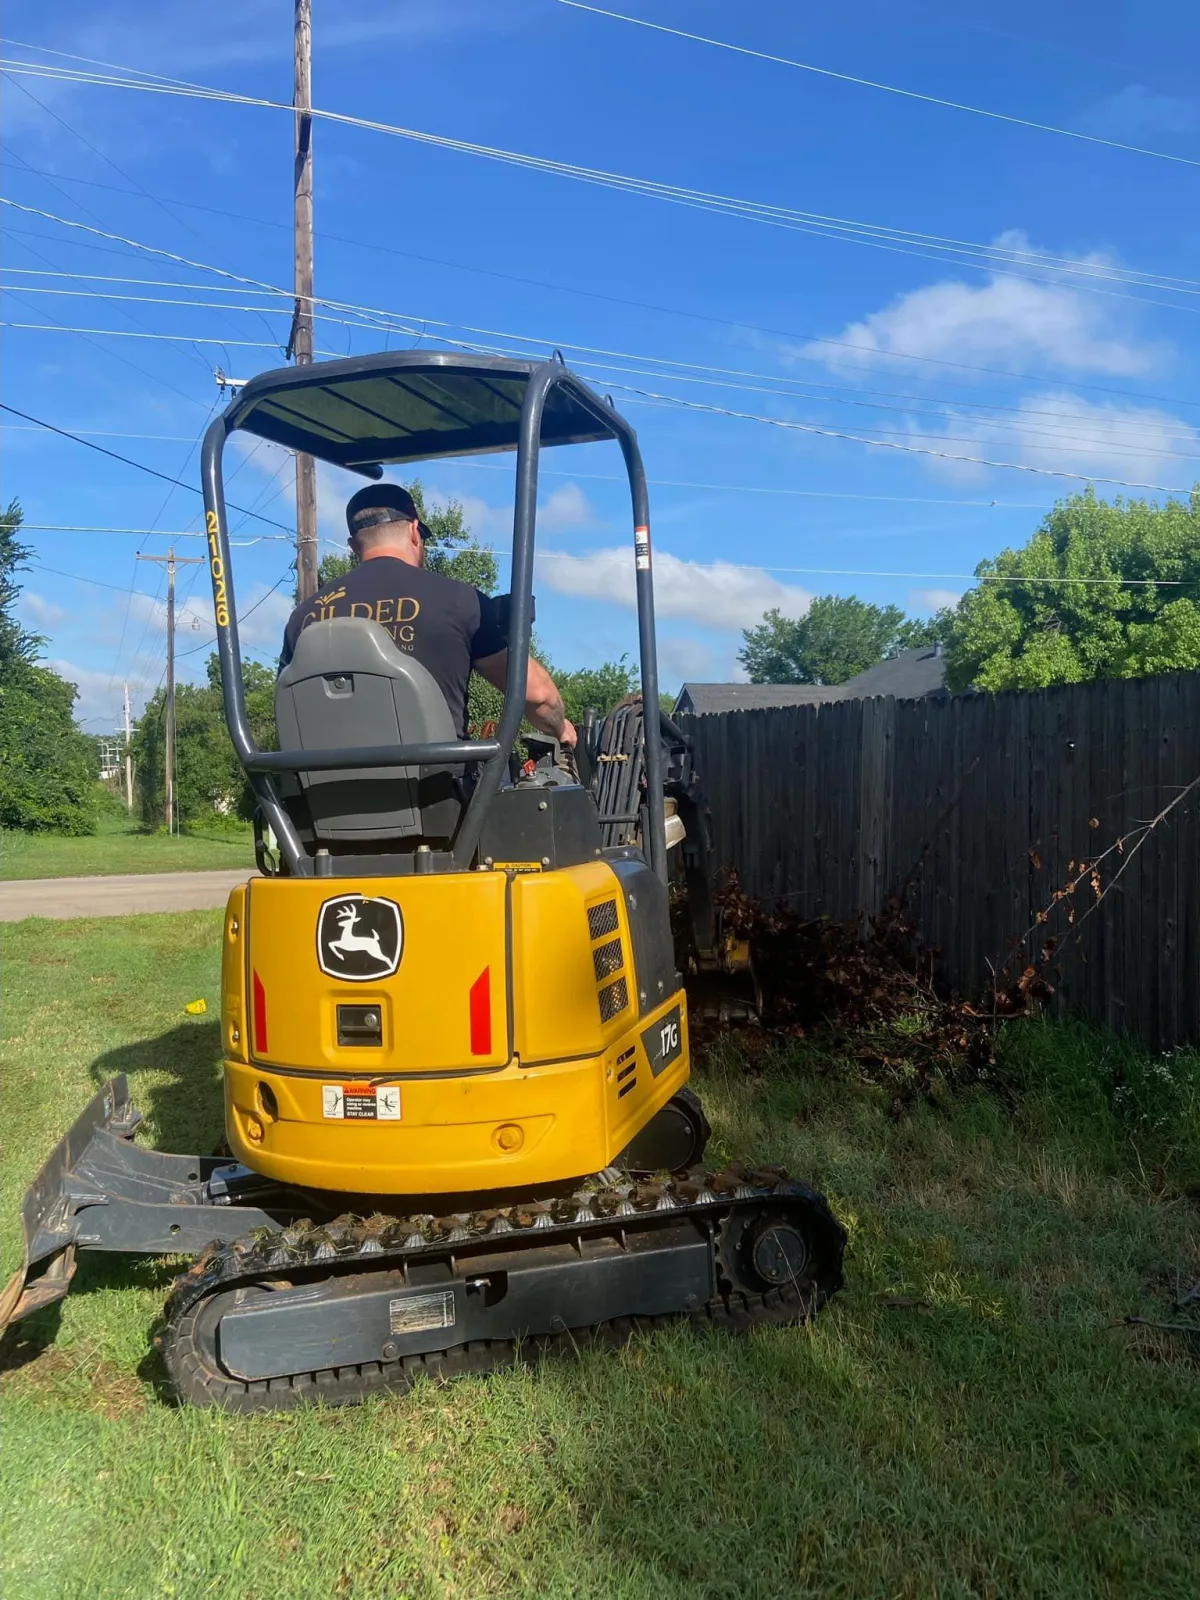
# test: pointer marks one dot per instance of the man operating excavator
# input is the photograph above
(450, 627)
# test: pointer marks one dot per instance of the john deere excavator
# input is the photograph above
(455, 1038)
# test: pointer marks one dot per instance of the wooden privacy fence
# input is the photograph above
(973, 807)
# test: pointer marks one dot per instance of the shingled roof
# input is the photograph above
(704, 699)
(910, 675)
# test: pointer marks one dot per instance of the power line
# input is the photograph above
(98, 583)
(1022, 421)
(129, 315)
(553, 472)
(161, 338)
(278, 584)
(876, 236)
(376, 313)
(128, 462)
(645, 395)
(867, 572)
(886, 88)
(104, 433)
(887, 444)
(138, 188)
(661, 310)
(739, 566)
(148, 533)
(410, 330)
(1062, 439)
(112, 354)
(1022, 414)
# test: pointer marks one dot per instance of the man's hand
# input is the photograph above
(568, 736)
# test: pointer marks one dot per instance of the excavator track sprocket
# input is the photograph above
(340, 1312)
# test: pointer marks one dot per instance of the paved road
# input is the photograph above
(119, 895)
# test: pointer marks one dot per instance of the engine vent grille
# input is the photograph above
(613, 999)
(607, 959)
(602, 918)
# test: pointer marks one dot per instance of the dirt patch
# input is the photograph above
(76, 1379)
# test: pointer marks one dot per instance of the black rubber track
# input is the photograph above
(194, 1383)
(731, 1204)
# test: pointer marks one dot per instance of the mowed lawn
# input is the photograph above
(119, 846)
(970, 1418)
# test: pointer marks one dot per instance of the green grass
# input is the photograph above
(970, 1418)
(120, 846)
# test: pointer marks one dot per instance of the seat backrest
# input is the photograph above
(349, 685)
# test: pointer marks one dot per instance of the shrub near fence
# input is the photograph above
(974, 807)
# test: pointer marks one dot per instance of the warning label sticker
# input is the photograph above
(361, 1102)
(417, 1313)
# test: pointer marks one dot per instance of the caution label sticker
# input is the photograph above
(361, 1102)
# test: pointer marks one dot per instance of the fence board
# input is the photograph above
(973, 808)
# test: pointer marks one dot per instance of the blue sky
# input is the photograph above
(1084, 364)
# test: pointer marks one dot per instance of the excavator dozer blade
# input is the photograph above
(99, 1190)
(47, 1217)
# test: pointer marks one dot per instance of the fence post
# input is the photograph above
(875, 805)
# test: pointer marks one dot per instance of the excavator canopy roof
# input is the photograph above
(368, 411)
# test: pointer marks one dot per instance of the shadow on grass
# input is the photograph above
(185, 1113)
(25, 1341)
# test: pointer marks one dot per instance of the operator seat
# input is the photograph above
(348, 685)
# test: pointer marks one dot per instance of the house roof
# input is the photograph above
(704, 699)
(910, 675)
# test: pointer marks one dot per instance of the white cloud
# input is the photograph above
(713, 595)
(563, 509)
(264, 612)
(1003, 322)
(100, 706)
(680, 660)
(157, 35)
(264, 628)
(1136, 112)
(931, 600)
(41, 613)
(1068, 434)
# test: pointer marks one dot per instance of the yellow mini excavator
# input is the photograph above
(455, 1040)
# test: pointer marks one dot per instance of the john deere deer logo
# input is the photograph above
(358, 938)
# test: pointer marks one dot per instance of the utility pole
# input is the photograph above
(128, 756)
(172, 561)
(301, 343)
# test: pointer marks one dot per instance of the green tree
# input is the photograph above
(837, 637)
(48, 768)
(452, 548)
(600, 687)
(208, 776)
(1130, 603)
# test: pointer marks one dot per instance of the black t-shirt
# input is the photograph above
(446, 625)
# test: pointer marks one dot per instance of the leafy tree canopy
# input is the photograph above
(1143, 617)
(208, 775)
(599, 687)
(451, 549)
(48, 768)
(837, 637)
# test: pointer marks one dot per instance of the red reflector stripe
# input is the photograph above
(481, 1014)
(260, 1016)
